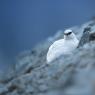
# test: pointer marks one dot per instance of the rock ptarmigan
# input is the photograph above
(62, 46)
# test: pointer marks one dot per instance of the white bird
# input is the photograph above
(63, 46)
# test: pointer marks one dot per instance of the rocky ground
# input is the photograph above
(68, 75)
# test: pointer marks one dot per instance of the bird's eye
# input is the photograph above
(69, 33)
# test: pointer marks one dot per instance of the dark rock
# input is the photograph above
(92, 36)
(85, 37)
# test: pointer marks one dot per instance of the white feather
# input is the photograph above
(62, 46)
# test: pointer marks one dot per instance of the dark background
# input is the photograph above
(24, 23)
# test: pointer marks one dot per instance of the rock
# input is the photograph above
(68, 75)
(3, 89)
(85, 37)
(92, 37)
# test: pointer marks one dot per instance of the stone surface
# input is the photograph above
(68, 75)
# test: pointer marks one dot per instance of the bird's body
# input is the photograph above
(62, 47)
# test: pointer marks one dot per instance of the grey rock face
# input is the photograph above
(68, 75)
(85, 37)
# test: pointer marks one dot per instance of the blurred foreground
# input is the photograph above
(68, 75)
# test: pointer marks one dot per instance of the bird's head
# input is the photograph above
(68, 34)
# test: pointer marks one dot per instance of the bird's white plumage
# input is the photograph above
(62, 46)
